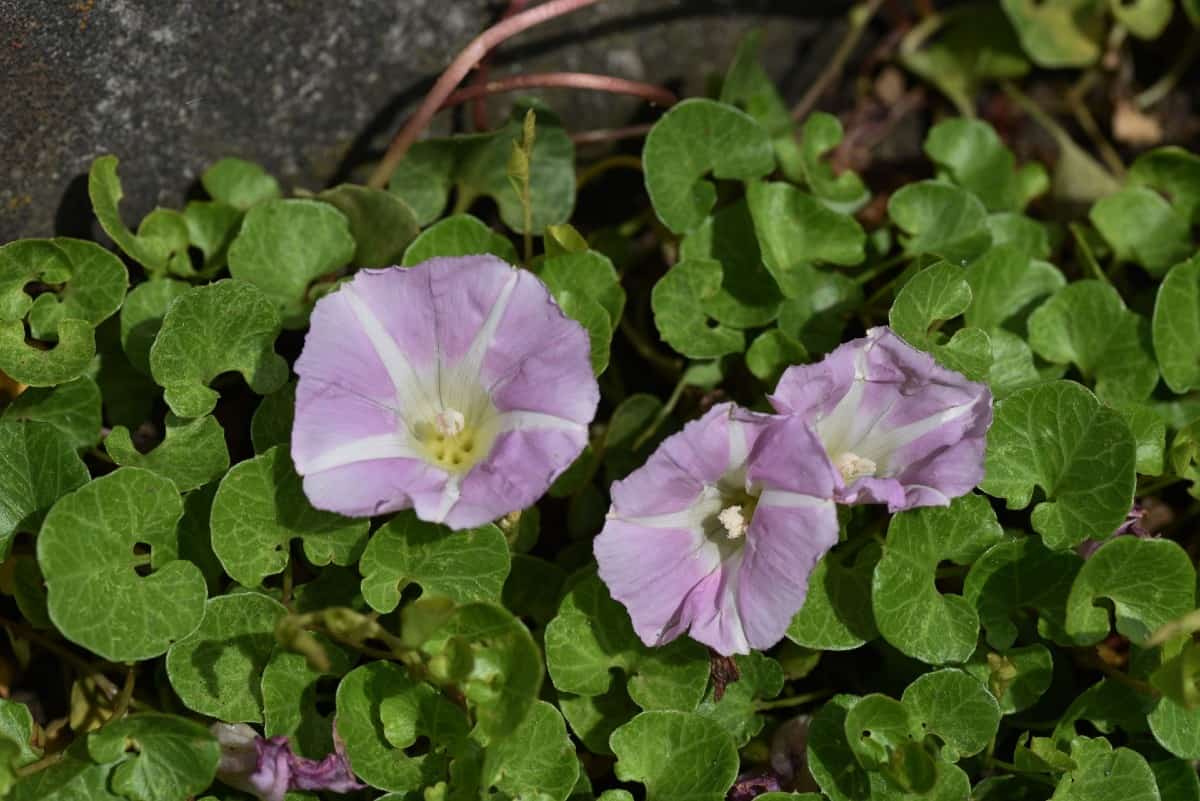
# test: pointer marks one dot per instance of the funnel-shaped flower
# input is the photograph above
(456, 387)
(899, 428)
(717, 533)
(266, 768)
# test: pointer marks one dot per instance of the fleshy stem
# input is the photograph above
(858, 18)
(123, 700)
(1087, 122)
(619, 161)
(601, 135)
(1163, 86)
(795, 700)
(479, 117)
(660, 361)
(471, 55)
(563, 80)
(1092, 660)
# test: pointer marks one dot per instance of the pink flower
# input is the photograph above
(717, 533)
(899, 428)
(456, 387)
(266, 767)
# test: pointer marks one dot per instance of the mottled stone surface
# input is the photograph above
(309, 88)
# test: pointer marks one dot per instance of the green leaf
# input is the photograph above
(843, 193)
(16, 725)
(380, 712)
(192, 454)
(217, 669)
(272, 421)
(1016, 575)
(678, 756)
(971, 155)
(74, 778)
(1078, 451)
(1143, 228)
(73, 409)
(1004, 281)
(771, 353)
(957, 708)
(381, 223)
(1145, 19)
(211, 226)
(940, 220)
(1012, 365)
(747, 86)
(290, 698)
(1174, 173)
(830, 760)
(594, 718)
(1017, 678)
(760, 679)
(424, 177)
(1176, 326)
(506, 671)
(142, 316)
(816, 316)
(796, 229)
(195, 542)
(592, 635)
(261, 507)
(1058, 33)
(881, 733)
(285, 245)
(1104, 774)
(972, 43)
(911, 613)
(1149, 432)
(38, 466)
(589, 273)
(932, 296)
(748, 296)
(696, 137)
(240, 184)
(159, 757)
(594, 319)
(1176, 728)
(162, 239)
(1023, 233)
(538, 760)
(66, 361)
(226, 326)
(127, 396)
(85, 282)
(88, 549)
(534, 588)
(1086, 324)
(459, 235)
(1176, 779)
(837, 614)
(678, 300)
(1148, 582)
(464, 566)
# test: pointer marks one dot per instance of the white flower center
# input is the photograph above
(450, 423)
(853, 467)
(734, 521)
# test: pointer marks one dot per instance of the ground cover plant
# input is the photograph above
(737, 461)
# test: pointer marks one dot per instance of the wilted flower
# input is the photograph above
(266, 767)
(899, 428)
(456, 387)
(717, 533)
(752, 784)
(1132, 526)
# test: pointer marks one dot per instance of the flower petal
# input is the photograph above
(879, 398)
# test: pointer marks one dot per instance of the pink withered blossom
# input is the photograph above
(266, 768)
(456, 387)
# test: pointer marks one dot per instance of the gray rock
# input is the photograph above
(311, 89)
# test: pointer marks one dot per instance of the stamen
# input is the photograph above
(734, 521)
(853, 467)
(449, 422)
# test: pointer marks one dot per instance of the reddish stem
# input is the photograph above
(479, 115)
(471, 55)
(609, 134)
(564, 80)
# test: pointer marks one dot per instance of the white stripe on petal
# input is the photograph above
(737, 446)
(535, 421)
(453, 379)
(380, 446)
(884, 443)
(404, 376)
(782, 499)
(451, 491)
(692, 518)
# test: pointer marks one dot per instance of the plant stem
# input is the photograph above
(563, 80)
(471, 55)
(1163, 86)
(663, 363)
(795, 700)
(479, 116)
(1083, 115)
(663, 413)
(622, 160)
(857, 21)
(880, 268)
(610, 134)
(123, 700)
